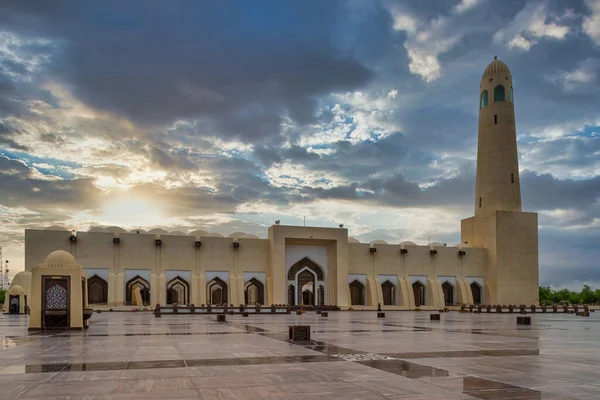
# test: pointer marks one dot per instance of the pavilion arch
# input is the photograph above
(139, 282)
(419, 291)
(216, 292)
(477, 292)
(178, 291)
(357, 293)
(499, 93)
(97, 289)
(308, 263)
(388, 290)
(254, 292)
(484, 99)
(448, 290)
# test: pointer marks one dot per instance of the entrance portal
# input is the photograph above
(14, 304)
(419, 292)
(448, 290)
(55, 303)
(306, 282)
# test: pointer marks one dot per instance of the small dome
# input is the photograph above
(61, 257)
(158, 231)
(22, 279)
(115, 229)
(136, 231)
(378, 242)
(177, 233)
(198, 233)
(353, 240)
(97, 229)
(250, 236)
(15, 289)
(407, 243)
(236, 235)
(214, 234)
(56, 228)
(495, 67)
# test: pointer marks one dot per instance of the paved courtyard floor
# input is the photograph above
(353, 355)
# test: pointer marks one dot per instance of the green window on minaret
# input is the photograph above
(499, 94)
(484, 98)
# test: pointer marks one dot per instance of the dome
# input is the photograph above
(378, 242)
(177, 233)
(158, 231)
(495, 67)
(22, 279)
(407, 243)
(214, 234)
(136, 231)
(250, 236)
(61, 257)
(97, 229)
(115, 229)
(198, 233)
(15, 289)
(353, 240)
(56, 228)
(236, 235)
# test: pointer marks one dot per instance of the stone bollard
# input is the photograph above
(498, 308)
(175, 306)
(511, 308)
(299, 333)
(533, 308)
(544, 308)
(192, 308)
(157, 311)
(244, 314)
(554, 308)
(488, 308)
(434, 317)
(523, 320)
(380, 315)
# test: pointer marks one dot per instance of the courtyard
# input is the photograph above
(352, 355)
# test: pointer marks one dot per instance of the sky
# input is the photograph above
(229, 115)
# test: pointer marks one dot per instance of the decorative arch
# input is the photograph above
(388, 290)
(308, 263)
(499, 93)
(476, 290)
(254, 292)
(178, 291)
(419, 293)
(216, 292)
(357, 293)
(306, 280)
(97, 290)
(484, 99)
(448, 290)
(138, 281)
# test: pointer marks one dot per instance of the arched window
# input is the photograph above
(388, 290)
(142, 285)
(419, 292)
(357, 293)
(484, 98)
(216, 292)
(178, 291)
(476, 290)
(97, 290)
(448, 290)
(254, 292)
(512, 99)
(499, 94)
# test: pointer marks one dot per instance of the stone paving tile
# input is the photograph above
(464, 356)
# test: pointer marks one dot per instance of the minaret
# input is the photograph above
(508, 235)
(498, 186)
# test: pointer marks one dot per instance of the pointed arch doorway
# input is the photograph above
(309, 282)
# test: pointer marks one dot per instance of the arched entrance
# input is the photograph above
(254, 292)
(97, 290)
(448, 290)
(216, 292)
(476, 290)
(308, 276)
(14, 304)
(178, 291)
(142, 284)
(357, 293)
(419, 292)
(388, 290)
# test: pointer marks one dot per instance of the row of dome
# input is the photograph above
(234, 235)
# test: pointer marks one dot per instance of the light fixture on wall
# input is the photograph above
(236, 244)
(372, 249)
(73, 238)
(462, 253)
(158, 242)
(403, 251)
(341, 225)
(198, 243)
(116, 240)
(277, 222)
(433, 252)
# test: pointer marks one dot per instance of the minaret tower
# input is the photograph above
(498, 186)
(508, 234)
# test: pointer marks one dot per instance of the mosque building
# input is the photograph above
(496, 263)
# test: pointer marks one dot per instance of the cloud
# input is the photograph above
(581, 79)
(591, 22)
(531, 23)
(465, 5)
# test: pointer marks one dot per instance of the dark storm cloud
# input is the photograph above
(157, 61)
